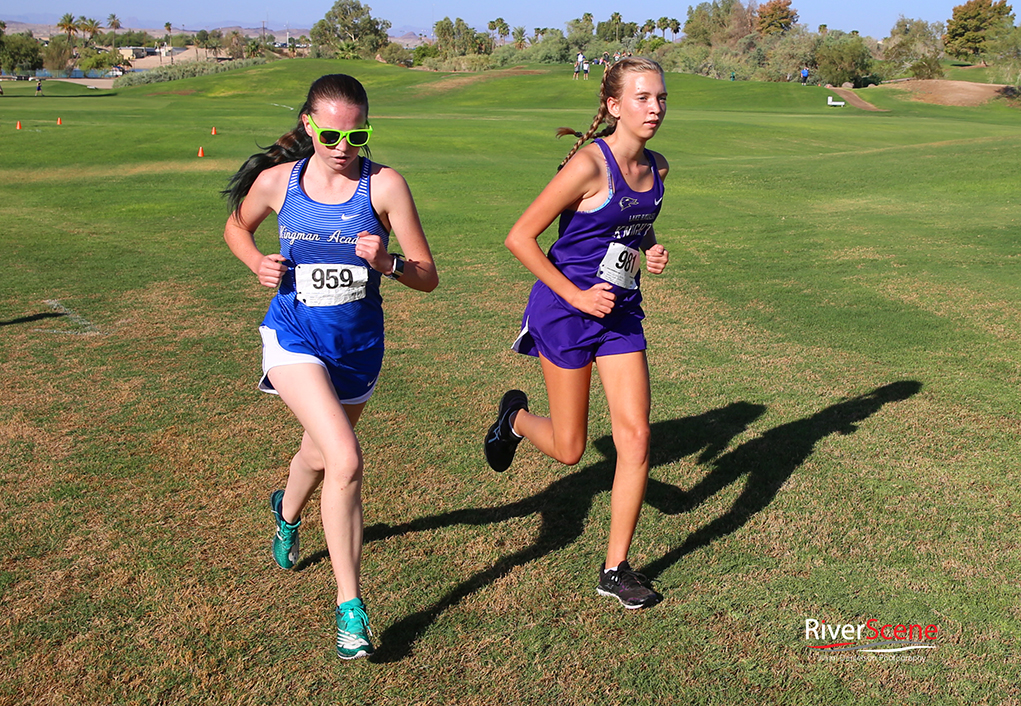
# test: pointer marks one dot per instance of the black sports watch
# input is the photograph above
(397, 271)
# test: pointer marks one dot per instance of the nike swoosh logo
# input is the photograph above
(346, 217)
(656, 203)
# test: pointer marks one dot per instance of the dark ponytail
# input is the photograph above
(296, 144)
(291, 147)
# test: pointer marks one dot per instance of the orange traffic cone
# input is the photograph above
(59, 121)
(19, 126)
(201, 153)
(214, 130)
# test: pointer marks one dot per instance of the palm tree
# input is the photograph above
(649, 27)
(675, 27)
(68, 26)
(215, 42)
(113, 23)
(170, 40)
(519, 37)
(90, 27)
(615, 20)
(235, 45)
(663, 23)
(202, 41)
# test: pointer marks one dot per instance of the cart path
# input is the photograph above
(852, 98)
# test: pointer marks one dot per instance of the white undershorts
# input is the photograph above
(273, 355)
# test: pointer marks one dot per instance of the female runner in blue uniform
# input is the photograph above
(586, 305)
(323, 333)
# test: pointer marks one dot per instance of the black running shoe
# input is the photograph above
(631, 588)
(501, 441)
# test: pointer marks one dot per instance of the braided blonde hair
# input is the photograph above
(612, 86)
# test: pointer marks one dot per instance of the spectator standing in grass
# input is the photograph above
(323, 334)
(585, 307)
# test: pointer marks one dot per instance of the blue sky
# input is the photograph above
(870, 17)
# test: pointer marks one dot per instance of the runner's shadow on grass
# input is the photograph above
(563, 507)
(768, 461)
(564, 504)
(30, 319)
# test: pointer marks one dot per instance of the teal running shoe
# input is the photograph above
(285, 539)
(353, 631)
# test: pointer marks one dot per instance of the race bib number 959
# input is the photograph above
(330, 285)
(619, 266)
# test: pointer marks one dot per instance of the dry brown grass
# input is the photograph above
(62, 175)
(944, 92)
(1000, 318)
(459, 81)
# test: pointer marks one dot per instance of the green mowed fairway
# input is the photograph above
(835, 354)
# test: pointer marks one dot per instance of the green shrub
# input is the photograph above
(844, 58)
(553, 49)
(507, 55)
(927, 67)
(469, 62)
(424, 51)
(186, 69)
(92, 60)
(395, 54)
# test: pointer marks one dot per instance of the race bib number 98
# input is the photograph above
(620, 266)
(330, 285)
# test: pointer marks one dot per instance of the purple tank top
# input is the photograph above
(602, 245)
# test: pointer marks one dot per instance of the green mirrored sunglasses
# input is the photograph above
(329, 137)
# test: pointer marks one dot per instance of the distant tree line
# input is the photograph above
(721, 38)
(81, 44)
(736, 40)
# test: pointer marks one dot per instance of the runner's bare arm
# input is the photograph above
(581, 178)
(392, 200)
(265, 197)
(656, 256)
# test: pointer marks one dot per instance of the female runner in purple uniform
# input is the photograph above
(323, 334)
(586, 305)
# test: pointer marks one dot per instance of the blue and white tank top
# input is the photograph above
(603, 245)
(329, 299)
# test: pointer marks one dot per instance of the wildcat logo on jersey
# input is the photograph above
(627, 202)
